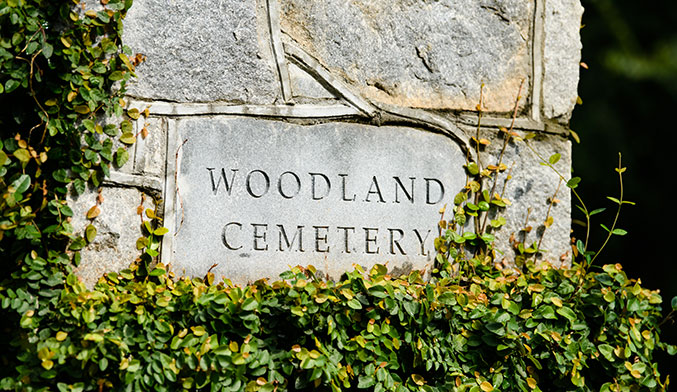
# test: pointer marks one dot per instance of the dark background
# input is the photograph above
(629, 95)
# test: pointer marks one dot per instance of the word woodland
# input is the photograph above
(289, 184)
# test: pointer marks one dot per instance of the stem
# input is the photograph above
(618, 211)
(500, 157)
(547, 215)
(479, 161)
(578, 197)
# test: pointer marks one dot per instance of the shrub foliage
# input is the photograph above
(470, 327)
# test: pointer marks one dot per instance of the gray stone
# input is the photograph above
(149, 154)
(118, 227)
(561, 57)
(529, 189)
(202, 50)
(256, 196)
(419, 54)
(305, 86)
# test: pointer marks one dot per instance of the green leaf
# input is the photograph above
(364, 382)
(157, 272)
(116, 75)
(121, 157)
(607, 351)
(79, 185)
(77, 244)
(567, 313)
(11, 85)
(614, 199)
(619, 232)
(597, 211)
(128, 138)
(573, 183)
(674, 303)
(473, 168)
(21, 184)
(354, 304)
(61, 175)
(554, 158)
(90, 233)
(47, 50)
(250, 304)
(22, 155)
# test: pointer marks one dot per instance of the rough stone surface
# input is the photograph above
(149, 152)
(425, 54)
(118, 227)
(530, 188)
(561, 57)
(305, 86)
(328, 190)
(202, 50)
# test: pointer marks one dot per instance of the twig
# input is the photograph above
(505, 144)
(547, 215)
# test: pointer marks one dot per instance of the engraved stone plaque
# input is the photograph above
(256, 196)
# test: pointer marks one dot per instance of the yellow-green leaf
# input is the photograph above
(128, 138)
(418, 379)
(90, 233)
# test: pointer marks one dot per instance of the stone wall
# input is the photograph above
(398, 67)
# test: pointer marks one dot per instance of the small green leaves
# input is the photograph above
(673, 303)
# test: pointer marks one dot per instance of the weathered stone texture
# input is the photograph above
(150, 151)
(118, 227)
(561, 57)
(425, 54)
(330, 186)
(202, 50)
(530, 189)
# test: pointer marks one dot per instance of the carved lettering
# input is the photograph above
(216, 184)
(266, 182)
(396, 242)
(377, 191)
(346, 238)
(321, 238)
(408, 195)
(260, 236)
(421, 241)
(283, 235)
(291, 194)
(224, 235)
(368, 240)
(313, 185)
(427, 190)
(343, 187)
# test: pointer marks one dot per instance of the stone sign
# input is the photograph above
(255, 196)
(285, 132)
